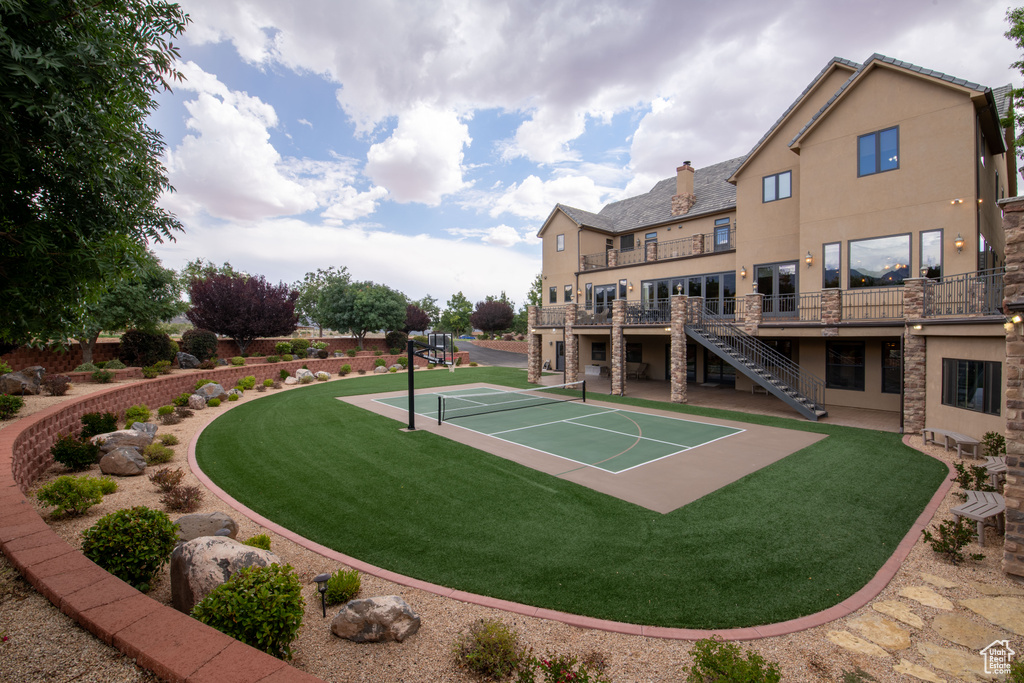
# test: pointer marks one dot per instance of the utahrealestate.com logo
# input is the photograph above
(998, 657)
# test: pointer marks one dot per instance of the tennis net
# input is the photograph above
(453, 406)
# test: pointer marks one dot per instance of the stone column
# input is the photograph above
(1013, 297)
(697, 244)
(831, 306)
(572, 346)
(618, 348)
(677, 350)
(613, 257)
(752, 310)
(533, 348)
(915, 385)
(651, 251)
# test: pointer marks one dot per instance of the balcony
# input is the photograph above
(969, 294)
(700, 244)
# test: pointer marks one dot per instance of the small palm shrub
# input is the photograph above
(260, 606)
(183, 499)
(114, 365)
(258, 541)
(237, 361)
(56, 385)
(105, 484)
(102, 377)
(10, 405)
(74, 453)
(715, 660)
(342, 586)
(132, 544)
(98, 423)
(166, 479)
(183, 411)
(71, 496)
(490, 649)
(157, 454)
(137, 413)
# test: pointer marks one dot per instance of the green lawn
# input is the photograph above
(791, 539)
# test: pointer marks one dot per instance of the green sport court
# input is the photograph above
(653, 458)
(605, 437)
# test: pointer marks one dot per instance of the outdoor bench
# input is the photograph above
(962, 441)
(982, 505)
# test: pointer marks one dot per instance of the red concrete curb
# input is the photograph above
(161, 639)
(844, 608)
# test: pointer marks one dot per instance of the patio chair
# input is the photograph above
(638, 372)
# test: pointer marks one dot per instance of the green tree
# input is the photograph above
(80, 171)
(457, 312)
(201, 269)
(1015, 119)
(362, 307)
(521, 321)
(536, 294)
(428, 305)
(147, 297)
(308, 305)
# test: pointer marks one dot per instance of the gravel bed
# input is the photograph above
(44, 645)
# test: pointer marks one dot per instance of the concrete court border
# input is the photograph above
(851, 604)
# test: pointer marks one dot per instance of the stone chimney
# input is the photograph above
(684, 199)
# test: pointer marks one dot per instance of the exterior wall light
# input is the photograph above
(631, 286)
(679, 288)
(809, 259)
(743, 272)
(924, 271)
(958, 243)
(918, 327)
(956, 201)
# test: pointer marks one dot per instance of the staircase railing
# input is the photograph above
(785, 372)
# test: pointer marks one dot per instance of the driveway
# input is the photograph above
(491, 356)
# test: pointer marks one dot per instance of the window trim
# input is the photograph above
(553, 294)
(560, 242)
(824, 265)
(882, 369)
(775, 177)
(567, 294)
(594, 352)
(920, 250)
(878, 152)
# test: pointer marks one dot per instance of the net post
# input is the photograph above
(583, 389)
(439, 406)
(412, 390)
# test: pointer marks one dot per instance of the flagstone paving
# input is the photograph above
(965, 666)
(989, 589)
(897, 610)
(1005, 612)
(917, 671)
(961, 630)
(881, 631)
(926, 596)
(847, 640)
(937, 581)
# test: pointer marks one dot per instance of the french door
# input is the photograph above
(778, 283)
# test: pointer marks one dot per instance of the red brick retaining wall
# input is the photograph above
(510, 346)
(172, 645)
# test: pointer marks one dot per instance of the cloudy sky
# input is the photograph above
(422, 144)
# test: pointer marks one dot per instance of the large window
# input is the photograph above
(599, 351)
(560, 243)
(718, 290)
(878, 152)
(778, 186)
(634, 352)
(567, 296)
(972, 385)
(623, 284)
(891, 367)
(931, 254)
(879, 262)
(844, 365)
(832, 264)
(722, 230)
(626, 242)
(552, 295)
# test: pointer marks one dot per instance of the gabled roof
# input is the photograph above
(877, 60)
(833, 63)
(710, 186)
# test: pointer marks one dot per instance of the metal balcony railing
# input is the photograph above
(978, 293)
(873, 303)
(598, 316)
(629, 257)
(551, 316)
(595, 261)
(675, 248)
(656, 314)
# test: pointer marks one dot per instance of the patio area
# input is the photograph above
(726, 398)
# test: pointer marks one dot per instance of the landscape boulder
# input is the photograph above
(200, 565)
(201, 524)
(196, 402)
(380, 369)
(135, 438)
(290, 380)
(147, 428)
(186, 361)
(376, 619)
(20, 383)
(236, 392)
(213, 390)
(123, 462)
(303, 372)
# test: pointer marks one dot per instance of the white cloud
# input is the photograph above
(422, 160)
(500, 236)
(545, 138)
(305, 123)
(535, 198)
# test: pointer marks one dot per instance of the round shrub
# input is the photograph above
(132, 544)
(183, 499)
(258, 541)
(321, 353)
(165, 410)
(105, 484)
(345, 369)
(237, 361)
(380, 363)
(260, 606)
(168, 439)
(268, 383)
(10, 405)
(199, 343)
(181, 400)
(342, 586)
(166, 479)
(232, 397)
(141, 349)
(86, 367)
(403, 361)
(247, 382)
(299, 347)
(102, 377)
(273, 359)
(56, 385)
(284, 374)
(392, 369)
(306, 379)
(163, 367)
(490, 649)
(98, 423)
(208, 364)
(75, 453)
(287, 357)
(213, 402)
(71, 495)
(114, 365)
(157, 454)
(396, 340)
(150, 372)
(351, 353)
(281, 348)
(472, 364)
(137, 413)
(322, 376)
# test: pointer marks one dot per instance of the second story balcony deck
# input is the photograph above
(701, 244)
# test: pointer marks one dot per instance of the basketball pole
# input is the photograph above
(412, 390)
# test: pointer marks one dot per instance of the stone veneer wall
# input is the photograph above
(618, 347)
(533, 350)
(1013, 291)
(572, 346)
(677, 349)
(915, 380)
